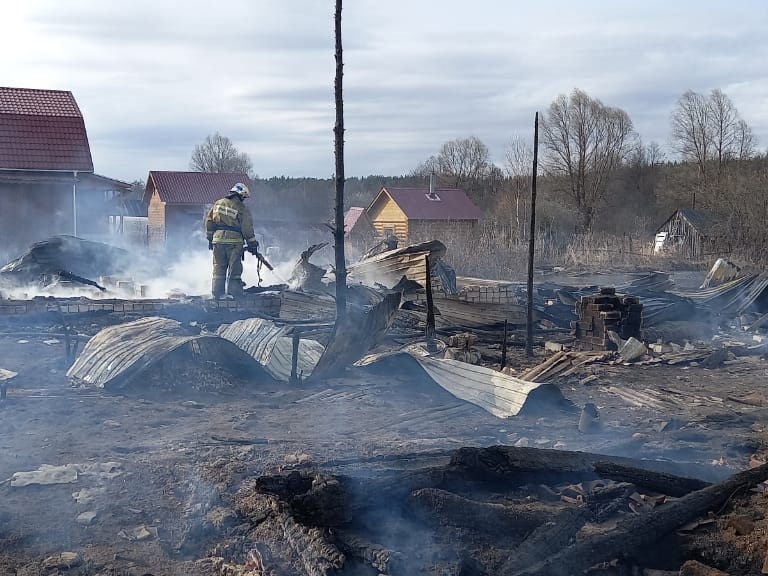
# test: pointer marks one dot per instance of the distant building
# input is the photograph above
(416, 215)
(177, 203)
(689, 233)
(359, 232)
(47, 184)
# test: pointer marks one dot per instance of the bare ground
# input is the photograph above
(160, 472)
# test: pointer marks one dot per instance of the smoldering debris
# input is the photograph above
(160, 354)
(71, 259)
(501, 509)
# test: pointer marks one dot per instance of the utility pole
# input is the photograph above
(338, 233)
(532, 241)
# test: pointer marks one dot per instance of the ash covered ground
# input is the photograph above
(151, 482)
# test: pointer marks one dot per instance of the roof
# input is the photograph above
(701, 220)
(192, 187)
(445, 203)
(42, 130)
(352, 216)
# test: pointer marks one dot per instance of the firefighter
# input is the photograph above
(227, 225)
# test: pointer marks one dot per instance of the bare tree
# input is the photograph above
(518, 158)
(584, 143)
(219, 154)
(338, 131)
(708, 131)
(460, 162)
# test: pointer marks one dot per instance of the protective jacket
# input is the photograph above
(230, 222)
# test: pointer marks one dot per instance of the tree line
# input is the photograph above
(596, 173)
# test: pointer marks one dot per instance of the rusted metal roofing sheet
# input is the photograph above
(42, 130)
(134, 353)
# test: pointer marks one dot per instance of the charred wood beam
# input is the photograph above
(546, 540)
(521, 465)
(661, 482)
(385, 561)
(447, 508)
(317, 555)
(642, 530)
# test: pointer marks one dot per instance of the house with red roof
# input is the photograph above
(177, 203)
(359, 232)
(47, 180)
(416, 215)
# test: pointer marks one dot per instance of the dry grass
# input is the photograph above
(499, 254)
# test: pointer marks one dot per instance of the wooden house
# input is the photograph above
(47, 181)
(689, 233)
(177, 203)
(359, 232)
(415, 215)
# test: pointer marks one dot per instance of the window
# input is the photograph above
(433, 196)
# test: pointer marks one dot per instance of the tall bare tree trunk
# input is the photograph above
(532, 242)
(338, 233)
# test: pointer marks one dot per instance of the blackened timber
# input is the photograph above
(448, 509)
(522, 464)
(642, 530)
(430, 332)
(546, 540)
(385, 561)
(660, 482)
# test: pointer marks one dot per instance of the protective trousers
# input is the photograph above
(227, 270)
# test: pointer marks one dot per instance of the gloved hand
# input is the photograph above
(253, 248)
(210, 244)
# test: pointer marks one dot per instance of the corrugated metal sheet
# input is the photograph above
(269, 345)
(732, 298)
(493, 391)
(129, 353)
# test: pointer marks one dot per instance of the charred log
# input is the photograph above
(384, 560)
(661, 482)
(546, 540)
(521, 465)
(446, 508)
(318, 556)
(642, 530)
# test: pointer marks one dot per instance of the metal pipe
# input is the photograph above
(74, 204)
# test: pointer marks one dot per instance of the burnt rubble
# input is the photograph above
(514, 503)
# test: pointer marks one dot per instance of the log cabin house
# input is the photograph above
(415, 215)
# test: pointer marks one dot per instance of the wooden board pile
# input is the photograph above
(606, 312)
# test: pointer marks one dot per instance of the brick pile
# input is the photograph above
(268, 304)
(482, 294)
(606, 312)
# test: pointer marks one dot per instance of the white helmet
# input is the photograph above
(240, 189)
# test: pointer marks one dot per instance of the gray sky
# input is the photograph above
(154, 77)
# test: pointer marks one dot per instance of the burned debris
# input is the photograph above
(420, 416)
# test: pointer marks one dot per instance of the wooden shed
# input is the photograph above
(177, 203)
(416, 215)
(689, 233)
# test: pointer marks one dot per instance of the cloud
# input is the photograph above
(154, 78)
